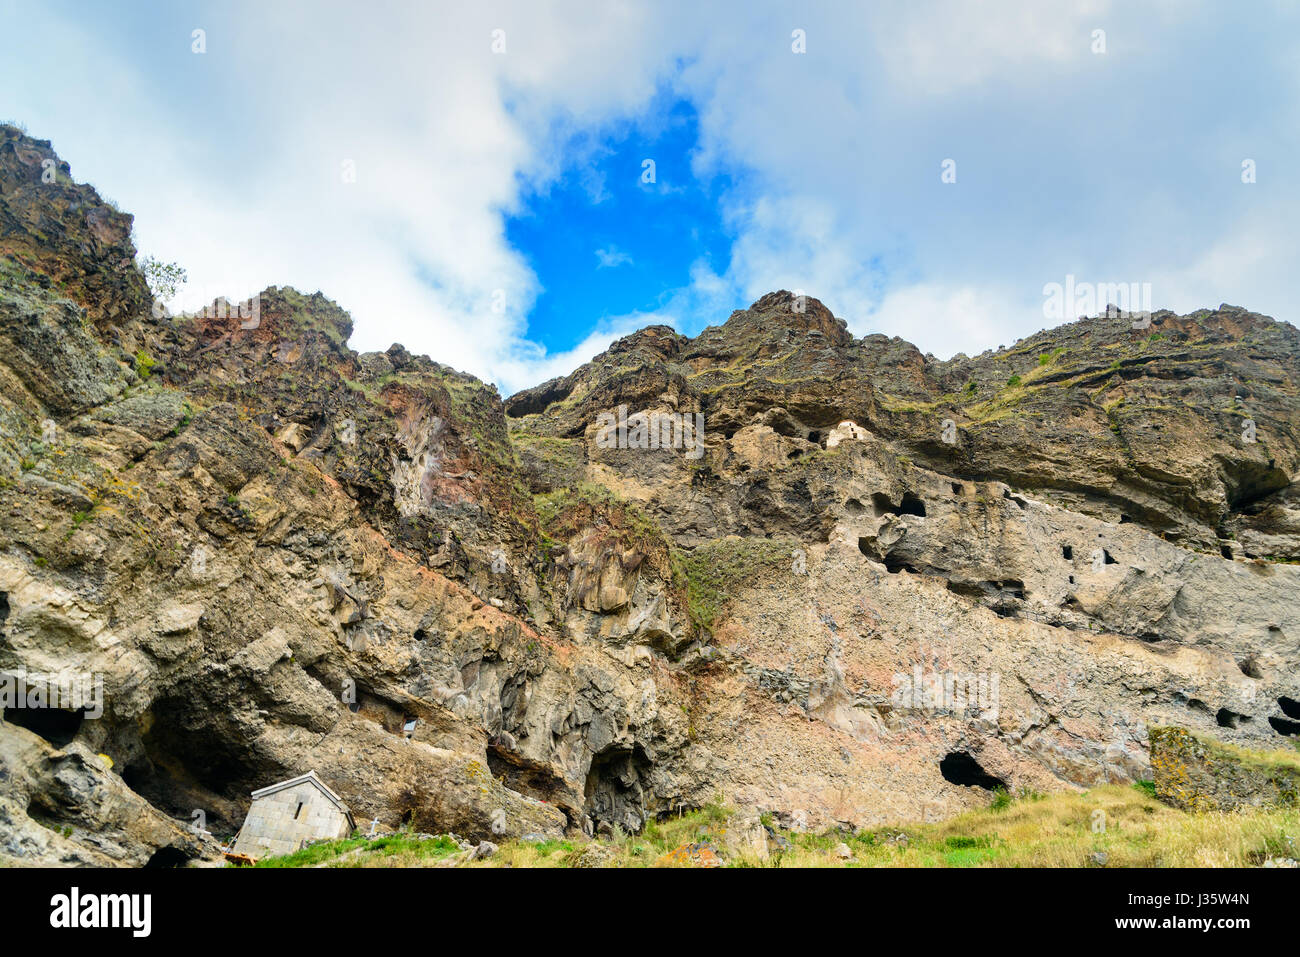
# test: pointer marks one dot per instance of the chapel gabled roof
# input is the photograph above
(310, 778)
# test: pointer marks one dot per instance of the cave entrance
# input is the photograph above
(958, 767)
(167, 857)
(912, 504)
(613, 793)
(1291, 708)
(1227, 718)
(55, 725)
(1285, 727)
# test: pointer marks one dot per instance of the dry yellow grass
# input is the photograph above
(1124, 823)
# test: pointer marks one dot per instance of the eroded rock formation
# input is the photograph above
(887, 585)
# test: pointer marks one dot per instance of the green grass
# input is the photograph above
(144, 364)
(400, 849)
(1032, 830)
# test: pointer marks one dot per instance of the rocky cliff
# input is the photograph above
(851, 584)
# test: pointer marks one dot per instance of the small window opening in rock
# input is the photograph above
(728, 433)
(894, 565)
(1227, 718)
(1283, 726)
(912, 505)
(55, 725)
(1290, 707)
(408, 726)
(1124, 520)
(1071, 579)
(167, 857)
(881, 505)
(1250, 668)
(297, 811)
(1108, 558)
(1226, 551)
(814, 437)
(1067, 552)
(795, 453)
(958, 767)
(956, 488)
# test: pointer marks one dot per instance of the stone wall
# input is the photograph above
(276, 825)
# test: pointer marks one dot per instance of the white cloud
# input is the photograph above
(945, 320)
(231, 160)
(610, 257)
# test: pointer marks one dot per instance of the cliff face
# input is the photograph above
(276, 554)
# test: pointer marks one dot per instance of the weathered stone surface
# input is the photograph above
(469, 615)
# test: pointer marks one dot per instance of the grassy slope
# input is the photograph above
(1059, 830)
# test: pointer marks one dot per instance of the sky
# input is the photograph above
(509, 187)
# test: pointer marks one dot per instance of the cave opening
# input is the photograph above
(55, 725)
(139, 775)
(1227, 718)
(167, 857)
(1284, 727)
(1067, 552)
(895, 564)
(1290, 707)
(912, 505)
(958, 767)
(613, 794)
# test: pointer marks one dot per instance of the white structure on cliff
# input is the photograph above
(286, 816)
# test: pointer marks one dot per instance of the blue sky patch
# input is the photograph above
(603, 241)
